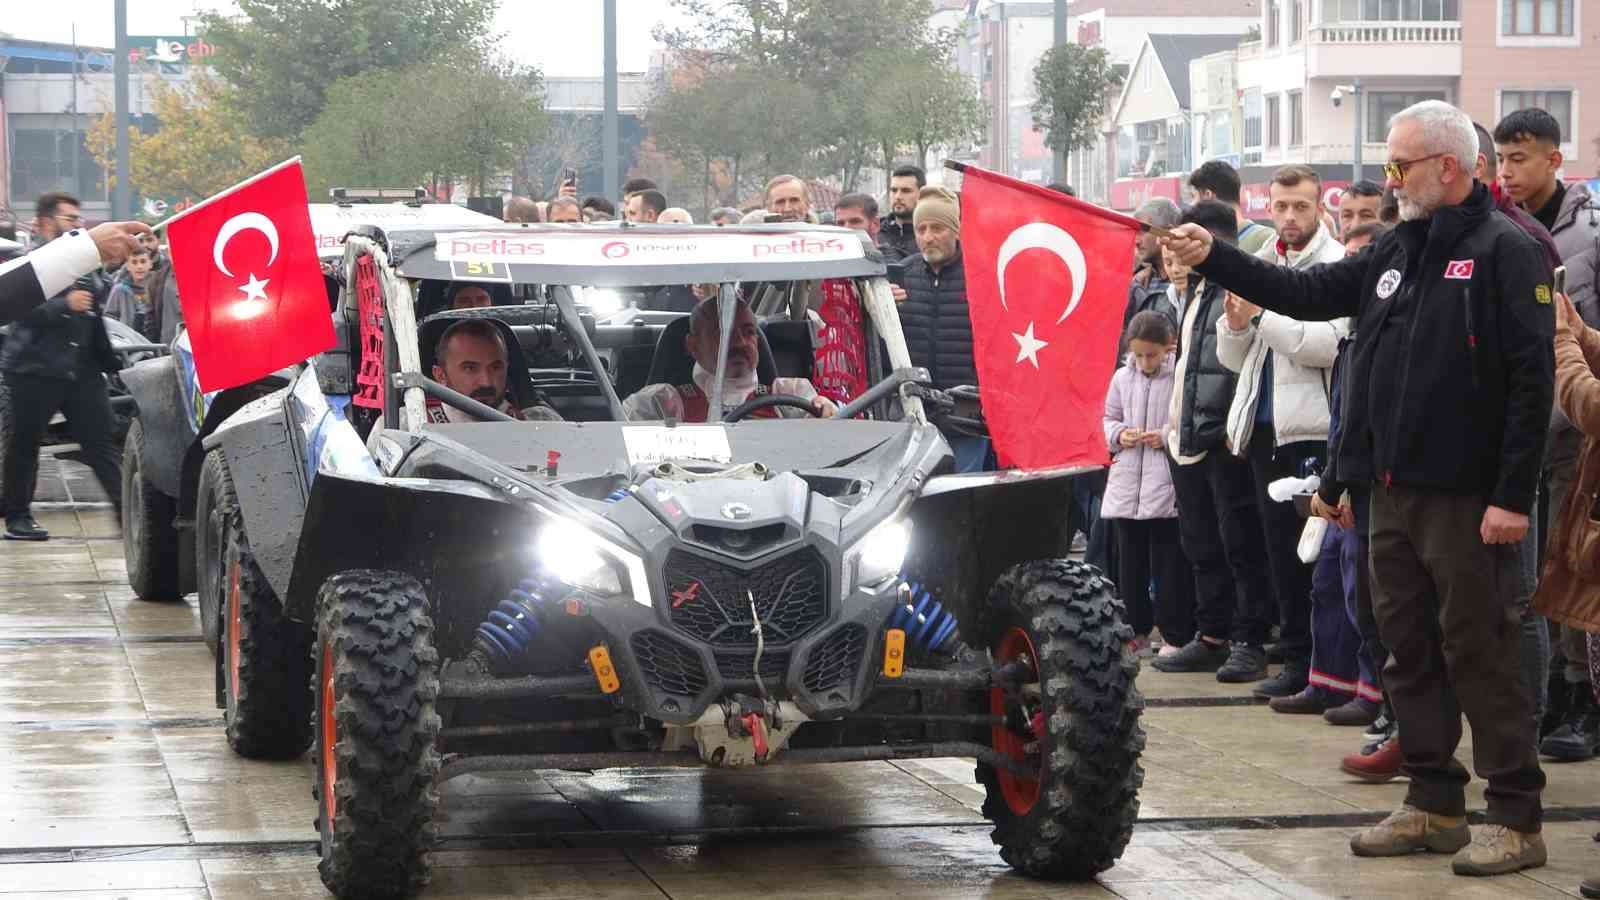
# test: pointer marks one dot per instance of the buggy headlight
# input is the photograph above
(882, 552)
(587, 561)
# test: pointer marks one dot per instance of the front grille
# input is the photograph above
(711, 601)
(835, 661)
(667, 665)
(734, 665)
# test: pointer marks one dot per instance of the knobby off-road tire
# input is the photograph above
(263, 658)
(1074, 821)
(377, 734)
(149, 537)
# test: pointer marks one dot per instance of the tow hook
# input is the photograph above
(747, 716)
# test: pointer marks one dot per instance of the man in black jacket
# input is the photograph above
(934, 314)
(56, 358)
(897, 235)
(1451, 381)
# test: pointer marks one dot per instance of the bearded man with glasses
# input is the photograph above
(1451, 377)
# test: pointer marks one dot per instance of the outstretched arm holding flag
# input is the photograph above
(28, 281)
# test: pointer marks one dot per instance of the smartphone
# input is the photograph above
(570, 176)
(896, 273)
(1561, 279)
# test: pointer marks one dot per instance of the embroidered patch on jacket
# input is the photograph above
(1387, 284)
(1459, 269)
(1542, 293)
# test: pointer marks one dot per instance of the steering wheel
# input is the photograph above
(769, 400)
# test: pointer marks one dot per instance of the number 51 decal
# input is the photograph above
(474, 270)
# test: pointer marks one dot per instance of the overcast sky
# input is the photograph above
(562, 37)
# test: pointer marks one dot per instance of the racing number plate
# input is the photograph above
(649, 444)
(477, 270)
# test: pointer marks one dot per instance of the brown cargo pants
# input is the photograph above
(1444, 604)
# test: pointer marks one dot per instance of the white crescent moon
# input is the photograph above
(248, 221)
(1044, 236)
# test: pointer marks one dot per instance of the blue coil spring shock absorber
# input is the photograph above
(515, 621)
(929, 627)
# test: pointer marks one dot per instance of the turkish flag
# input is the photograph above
(1047, 284)
(249, 280)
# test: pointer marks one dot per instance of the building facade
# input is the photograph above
(1524, 53)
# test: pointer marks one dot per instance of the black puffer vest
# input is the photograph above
(936, 322)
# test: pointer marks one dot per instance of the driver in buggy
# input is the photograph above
(690, 402)
(471, 359)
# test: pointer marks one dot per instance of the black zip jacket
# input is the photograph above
(1208, 385)
(936, 322)
(1452, 369)
(896, 239)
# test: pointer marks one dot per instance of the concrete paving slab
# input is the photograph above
(76, 609)
(175, 679)
(608, 877)
(67, 681)
(138, 618)
(226, 798)
(102, 876)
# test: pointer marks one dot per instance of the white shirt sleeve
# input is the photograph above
(59, 263)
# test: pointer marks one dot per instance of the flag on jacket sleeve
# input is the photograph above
(249, 280)
(1047, 281)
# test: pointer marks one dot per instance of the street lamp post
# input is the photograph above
(608, 119)
(122, 194)
(1356, 110)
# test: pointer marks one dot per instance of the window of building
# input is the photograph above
(44, 160)
(1177, 146)
(1146, 78)
(1383, 105)
(1297, 21)
(1274, 122)
(1391, 11)
(1536, 18)
(1252, 126)
(1557, 103)
(1297, 128)
(1221, 126)
(1270, 38)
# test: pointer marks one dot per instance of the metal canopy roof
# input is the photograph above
(627, 256)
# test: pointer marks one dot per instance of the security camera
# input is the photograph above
(1337, 96)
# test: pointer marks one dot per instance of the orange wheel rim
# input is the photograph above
(233, 629)
(1021, 793)
(329, 735)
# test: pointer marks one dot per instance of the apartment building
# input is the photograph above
(1522, 53)
(1005, 39)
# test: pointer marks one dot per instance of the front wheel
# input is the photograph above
(263, 656)
(1071, 716)
(377, 684)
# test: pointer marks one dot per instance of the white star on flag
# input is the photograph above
(1028, 346)
(255, 288)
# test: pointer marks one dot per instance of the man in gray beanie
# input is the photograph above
(934, 311)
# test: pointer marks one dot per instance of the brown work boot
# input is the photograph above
(1498, 850)
(1410, 829)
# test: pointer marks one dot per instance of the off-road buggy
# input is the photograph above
(444, 599)
(162, 455)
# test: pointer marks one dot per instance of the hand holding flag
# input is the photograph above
(248, 279)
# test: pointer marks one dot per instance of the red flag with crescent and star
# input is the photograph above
(1047, 283)
(249, 280)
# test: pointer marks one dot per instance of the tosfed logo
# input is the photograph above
(1387, 284)
(1459, 270)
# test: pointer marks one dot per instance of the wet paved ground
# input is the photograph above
(115, 781)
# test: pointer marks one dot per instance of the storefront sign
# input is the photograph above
(168, 50)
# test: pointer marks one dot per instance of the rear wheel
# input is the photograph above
(149, 537)
(377, 734)
(263, 658)
(1071, 721)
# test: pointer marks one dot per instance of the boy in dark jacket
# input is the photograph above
(1218, 519)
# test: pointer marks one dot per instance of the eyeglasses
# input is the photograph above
(1396, 171)
(74, 219)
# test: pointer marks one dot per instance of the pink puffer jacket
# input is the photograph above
(1139, 485)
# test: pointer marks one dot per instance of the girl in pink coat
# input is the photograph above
(1139, 489)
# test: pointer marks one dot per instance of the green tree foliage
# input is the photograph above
(810, 87)
(482, 114)
(281, 57)
(1073, 85)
